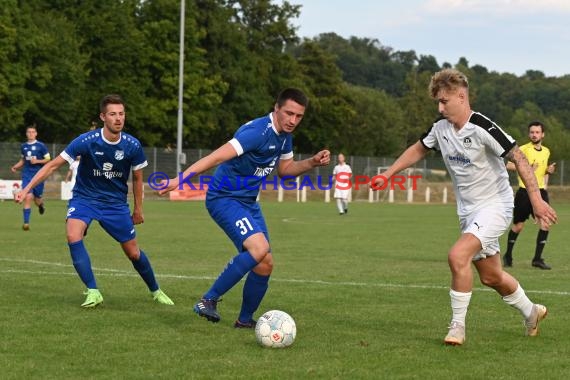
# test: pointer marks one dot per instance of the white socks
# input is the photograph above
(520, 301)
(459, 304)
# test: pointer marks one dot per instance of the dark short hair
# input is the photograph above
(110, 99)
(293, 94)
(536, 123)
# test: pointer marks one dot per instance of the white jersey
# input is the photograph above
(473, 156)
(344, 168)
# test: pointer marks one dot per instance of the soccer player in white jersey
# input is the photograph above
(257, 148)
(34, 155)
(473, 148)
(341, 195)
(108, 156)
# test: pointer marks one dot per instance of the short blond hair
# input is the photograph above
(448, 80)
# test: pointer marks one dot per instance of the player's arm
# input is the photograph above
(17, 166)
(511, 166)
(40, 176)
(413, 154)
(543, 213)
(293, 168)
(44, 160)
(222, 154)
(138, 216)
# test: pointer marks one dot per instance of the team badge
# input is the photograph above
(119, 155)
(467, 142)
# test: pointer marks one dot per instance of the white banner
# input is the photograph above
(66, 190)
(9, 187)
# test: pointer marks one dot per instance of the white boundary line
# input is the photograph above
(121, 273)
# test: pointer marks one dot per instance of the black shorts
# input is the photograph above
(523, 207)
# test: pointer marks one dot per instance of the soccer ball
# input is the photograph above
(275, 329)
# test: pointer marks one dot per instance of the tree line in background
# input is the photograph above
(59, 57)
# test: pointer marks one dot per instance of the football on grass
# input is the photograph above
(275, 329)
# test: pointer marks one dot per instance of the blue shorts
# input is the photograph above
(238, 219)
(116, 220)
(38, 191)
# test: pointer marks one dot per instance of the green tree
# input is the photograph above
(13, 74)
(378, 127)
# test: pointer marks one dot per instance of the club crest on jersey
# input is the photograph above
(119, 155)
(467, 142)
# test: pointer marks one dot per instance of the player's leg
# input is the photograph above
(345, 205)
(459, 258)
(507, 286)
(27, 207)
(117, 222)
(541, 237)
(339, 206)
(237, 267)
(78, 219)
(257, 281)
(236, 219)
(38, 192)
(27, 211)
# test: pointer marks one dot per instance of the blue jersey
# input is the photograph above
(259, 147)
(105, 166)
(36, 150)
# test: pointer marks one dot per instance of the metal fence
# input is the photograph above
(432, 170)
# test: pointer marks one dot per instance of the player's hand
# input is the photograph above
(13, 169)
(322, 158)
(169, 185)
(20, 196)
(544, 215)
(551, 168)
(379, 182)
(137, 217)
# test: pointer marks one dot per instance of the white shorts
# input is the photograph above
(488, 225)
(343, 194)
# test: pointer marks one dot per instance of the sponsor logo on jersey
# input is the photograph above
(263, 172)
(459, 159)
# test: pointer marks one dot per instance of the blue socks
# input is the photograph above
(27, 212)
(253, 291)
(142, 265)
(231, 275)
(82, 263)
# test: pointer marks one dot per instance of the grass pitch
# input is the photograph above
(368, 291)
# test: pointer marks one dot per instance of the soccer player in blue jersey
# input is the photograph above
(34, 155)
(108, 155)
(257, 148)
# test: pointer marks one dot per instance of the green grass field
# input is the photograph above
(368, 291)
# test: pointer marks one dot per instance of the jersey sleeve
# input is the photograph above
(45, 152)
(74, 149)
(287, 150)
(139, 159)
(246, 139)
(499, 141)
(429, 139)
